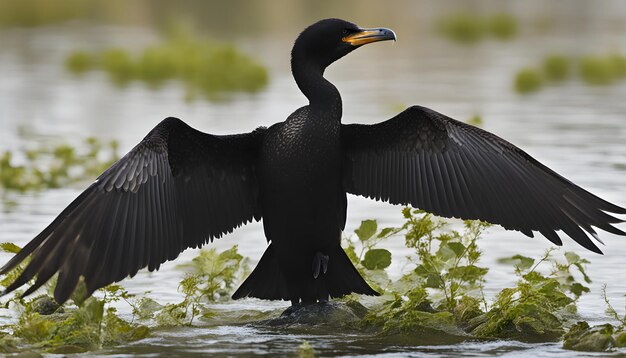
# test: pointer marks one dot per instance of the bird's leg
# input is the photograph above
(320, 263)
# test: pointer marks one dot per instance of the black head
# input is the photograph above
(328, 40)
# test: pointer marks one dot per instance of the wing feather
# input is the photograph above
(452, 169)
(177, 188)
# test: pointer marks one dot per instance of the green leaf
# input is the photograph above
(377, 259)
(582, 271)
(366, 230)
(445, 253)
(351, 252)
(94, 309)
(431, 278)
(521, 262)
(457, 247)
(577, 289)
(468, 273)
(79, 295)
(420, 270)
(388, 231)
(9, 247)
(146, 308)
(433, 281)
(572, 257)
(534, 277)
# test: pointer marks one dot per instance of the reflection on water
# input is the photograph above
(577, 130)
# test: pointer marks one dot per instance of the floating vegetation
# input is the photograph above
(600, 338)
(84, 324)
(448, 300)
(595, 70)
(369, 259)
(56, 166)
(475, 120)
(449, 283)
(41, 12)
(537, 308)
(446, 259)
(305, 350)
(204, 67)
(90, 323)
(470, 28)
(213, 278)
(528, 80)
(603, 70)
(556, 67)
(502, 26)
(80, 62)
(440, 300)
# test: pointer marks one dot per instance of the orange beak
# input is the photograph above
(366, 36)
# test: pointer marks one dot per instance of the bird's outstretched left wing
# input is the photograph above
(177, 188)
(452, 169)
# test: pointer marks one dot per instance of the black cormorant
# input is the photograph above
(180, 188)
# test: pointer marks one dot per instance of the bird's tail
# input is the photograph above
(342, 278)
(268, 282)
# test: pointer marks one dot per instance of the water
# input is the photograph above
(577, 130)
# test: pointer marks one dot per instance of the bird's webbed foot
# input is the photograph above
(320, 263)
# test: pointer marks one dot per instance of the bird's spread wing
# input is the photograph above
(176, 189)
(452, 169)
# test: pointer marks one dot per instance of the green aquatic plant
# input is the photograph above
(556, 67)
(444, 296)
(444, 290)
(475, 120)
(88, 326)
(599, 338)
(79, 62)
(366, 255)
(32, 13)
(612, 312)
(56, 166)
(439, 300)
(13, 249)
(592, 69)
(218, 273)
(305, 350)
(204, 67)
(370, 256)
(537, 307)
(89, 323)
(409, 314)
(603, 70)
(502, 26)
(85, 324)
(446, 260)
(117, 63)
(464, 28)
(470, 28)
(213, 278)
(528, 80)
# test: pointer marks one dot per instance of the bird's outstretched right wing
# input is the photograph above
(176, 189)
(433, 162)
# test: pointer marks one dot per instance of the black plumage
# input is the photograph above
(180, 188)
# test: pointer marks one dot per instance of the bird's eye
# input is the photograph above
(346, 32)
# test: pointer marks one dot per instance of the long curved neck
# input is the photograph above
(310, 79)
